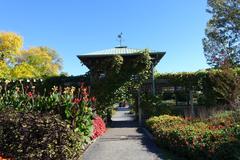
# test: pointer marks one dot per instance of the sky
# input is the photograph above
(74, 27)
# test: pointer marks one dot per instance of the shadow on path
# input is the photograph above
(125, 140)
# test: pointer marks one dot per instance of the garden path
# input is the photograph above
(125, 141)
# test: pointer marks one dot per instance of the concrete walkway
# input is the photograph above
(125, 141)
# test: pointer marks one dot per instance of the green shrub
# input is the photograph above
(165, 120)
(153, 106)
(32, 135)
(215, 138)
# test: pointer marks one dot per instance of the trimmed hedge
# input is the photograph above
(213, 85)
(216, 138)
(34, 135)
(190, 79)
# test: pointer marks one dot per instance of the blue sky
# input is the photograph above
(72, 27)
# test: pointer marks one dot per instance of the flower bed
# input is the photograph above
(99, 127)
(56, 125)
(215, 138)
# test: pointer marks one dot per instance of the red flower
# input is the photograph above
(93, 99)
(30, 94)
(76, 100)
(99, 127)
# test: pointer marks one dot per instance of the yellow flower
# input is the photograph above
(55, 88)
(72, 90)
(66, 90)
(7, 81)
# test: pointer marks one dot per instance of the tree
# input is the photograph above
(222, 41)
(34, 62)
(226, 83)
(46, 61)
(24, 70)
(10, 44)
(4, 70)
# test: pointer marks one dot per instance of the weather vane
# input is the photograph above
(120, 38)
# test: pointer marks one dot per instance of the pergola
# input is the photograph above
(89, 59)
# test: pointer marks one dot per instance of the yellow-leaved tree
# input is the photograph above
(4, 70)
(24, 70)
(35, 62)
(10, 44)
(45, 61)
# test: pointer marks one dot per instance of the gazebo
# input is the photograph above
(89, 59)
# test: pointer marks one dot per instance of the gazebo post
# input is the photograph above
(153, 80)
(191, 102)
(139, 108)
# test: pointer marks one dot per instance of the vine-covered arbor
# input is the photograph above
(91, 59)
(119, 69)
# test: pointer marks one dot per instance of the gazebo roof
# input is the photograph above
(122, 50)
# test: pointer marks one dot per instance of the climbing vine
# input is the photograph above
(213, 84)
(116, 77)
